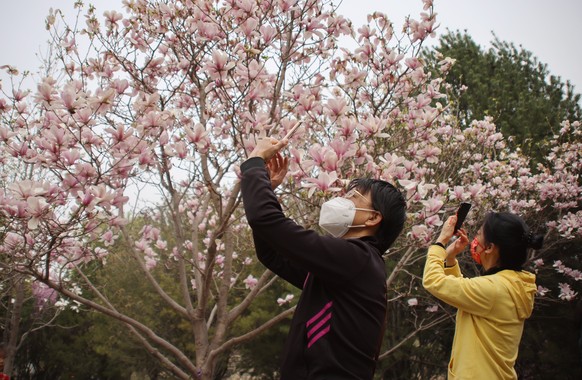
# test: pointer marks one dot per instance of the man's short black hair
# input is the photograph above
(387, 200)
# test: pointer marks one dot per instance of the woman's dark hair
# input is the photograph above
(512, 236)
(387, 200)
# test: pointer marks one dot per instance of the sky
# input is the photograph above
(549, 29)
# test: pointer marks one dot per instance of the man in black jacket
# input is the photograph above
(338, 325)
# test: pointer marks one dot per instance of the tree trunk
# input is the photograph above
(14, 325)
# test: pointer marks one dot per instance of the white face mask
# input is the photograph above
(337, 215)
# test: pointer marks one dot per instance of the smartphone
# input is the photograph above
(462, 214)
(292, 131)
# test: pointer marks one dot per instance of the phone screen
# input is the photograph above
(462, 214)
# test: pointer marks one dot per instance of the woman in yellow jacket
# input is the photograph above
(491, 308)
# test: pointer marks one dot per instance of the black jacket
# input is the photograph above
(338, 324)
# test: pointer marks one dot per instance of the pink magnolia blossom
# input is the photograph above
(430, 154)
(12, 242)
(111, 19)
(46, 92)
(373, 126)
(108, 238)
(218, 66)
(43, 294)
(197, 134)
(249, 27)
(432, 309)
(343, 148)
(573, 273)
(268, 33)
(433, 221)
(120, 85)
(219, 260)
(412, 302)
(337, 107)
(250, 282)
(570, 226)
(475, 189)
(541, 291)
(282, 301)
(71, 156)
(25, 189)
(161, 244)
(433, 205)
(566, 292)
(150, 262)
(37, 206)
(248, 6)
(424, 188)
(323, 182)
(69, 99)
(421, 234)
(409, 186)
(317, 152)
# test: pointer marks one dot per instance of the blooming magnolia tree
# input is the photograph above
(165, 102)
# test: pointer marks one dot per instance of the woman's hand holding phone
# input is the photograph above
(453, 224)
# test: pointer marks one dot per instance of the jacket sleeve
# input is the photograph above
(473, 295)
(278, 264)
(333, 259)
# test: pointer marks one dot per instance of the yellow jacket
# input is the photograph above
(490, 316)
